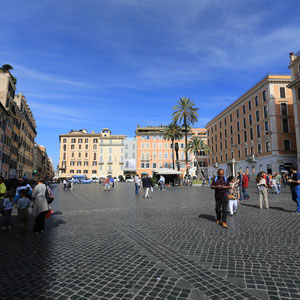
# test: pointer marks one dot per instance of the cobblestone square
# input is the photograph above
(114, 245)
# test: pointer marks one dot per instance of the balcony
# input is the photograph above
(250, 158)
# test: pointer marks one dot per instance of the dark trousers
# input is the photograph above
(6, 217)
(39, 222)
(294, 194)
(245, 194)
(221, 209)
(23, 217)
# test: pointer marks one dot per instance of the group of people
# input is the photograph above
(147, 184)
(26, 197)
(228, 192)
(108, 183)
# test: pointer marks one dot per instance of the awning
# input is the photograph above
(166, 171)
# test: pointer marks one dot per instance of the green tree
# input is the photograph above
(185, 111)
(6, 68)
(173, 132)
(195, 145)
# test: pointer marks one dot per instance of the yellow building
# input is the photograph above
(295, 86)
(256, 132)
(92, 154)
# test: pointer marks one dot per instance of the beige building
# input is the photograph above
(295, 86)
(256, 132)
(92, 154)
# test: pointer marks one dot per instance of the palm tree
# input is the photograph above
(172, 132)
(185, 111)
(6, 68)
(195, 145)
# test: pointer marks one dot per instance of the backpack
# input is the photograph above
(216, 178)
(49, 194)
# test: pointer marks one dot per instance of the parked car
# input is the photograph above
(86, 180)
(130, 180)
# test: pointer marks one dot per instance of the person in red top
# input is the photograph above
(245, 183)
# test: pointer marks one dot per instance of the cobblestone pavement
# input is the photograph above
(114, 245)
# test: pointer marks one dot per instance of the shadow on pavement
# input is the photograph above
(208, 217)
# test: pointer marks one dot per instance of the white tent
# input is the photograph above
(166, 171)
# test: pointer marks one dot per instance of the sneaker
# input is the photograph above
(218, 222)
(224, 225)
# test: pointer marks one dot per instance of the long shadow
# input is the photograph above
(251, 205)
(207, 217)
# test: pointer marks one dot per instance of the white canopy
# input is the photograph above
(166, 171)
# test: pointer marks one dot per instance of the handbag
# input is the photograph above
(231, 197)
(49, 195)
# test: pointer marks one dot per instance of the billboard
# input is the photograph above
(130, 164)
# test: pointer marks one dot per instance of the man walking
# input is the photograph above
(162, 183)
(295, 187)
(245, 183)
(220, 185)
(147, 184)
(137, 182)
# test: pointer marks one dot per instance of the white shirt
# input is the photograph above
(136, 179)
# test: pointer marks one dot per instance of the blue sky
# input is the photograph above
(118, 63)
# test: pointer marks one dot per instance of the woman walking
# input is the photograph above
(233, 196)
(262, 190)
(40, 206)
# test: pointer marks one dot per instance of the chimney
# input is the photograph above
(292, 57)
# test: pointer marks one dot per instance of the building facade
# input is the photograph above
(256, 132)
(154, 152)
(92, 154)
(295, 86)
(130, 154)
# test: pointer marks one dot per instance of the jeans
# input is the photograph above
(245, 194)
(294, 194)
(6, 217)
(221, 209)
(137, 189)
(297, 192)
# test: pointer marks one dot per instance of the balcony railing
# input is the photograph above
(250, 158)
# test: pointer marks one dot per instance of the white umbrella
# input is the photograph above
(166, 171)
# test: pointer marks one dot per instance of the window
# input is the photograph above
(285, 125)
(166, 155)
(225, 121)
(87, 140)
(239, 139)
(78, 163)
(216, 139)
(78, 171)
(239, 153)
(154, 165)
(220, 135)
(73, 154)
(95, 156)
(166, 146)
(143, 145)
(251, 150)
(72, 147)
(225, 133)
(160, 145)
(264, 96)
(147, 145)
(64, 140)
(154, 145)
(86, 155)
(80, 141)
(79, 147)
(65, 147)
(282, 92)
(85, 163)
(244, 123)
(221, 148)
(286, 145)
(79, 154)
(160, 155)
(238, 126)
(86, 147)
(72, 171)
(244, 109)
(73, 140)
(94, 147)
(72, 163)
(250, 105)
(265, 112)
(215, 127)
(257, 115)
(256, 101)
(147, 165)
(182, 145)
(231, 131)
(258, 131)
(85, 171)
(220, 124)
(154, 155)
(230, 117)
(94, 163)
(147, 155)
(231, 141)
(299, 93)
(143, 165)
(251, 134)
(246, 152)
(268, 146)
(95, 141)
(250, 120)
(267, 127)
(237, 113)
(283, 109)
(94, 171)
(259, 148)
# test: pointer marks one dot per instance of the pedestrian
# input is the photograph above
(278, 179)
(295, 187)
(161, 183)
(7, 207)
(72, 184)
(245, 183)
(137, 183)
(239, 181)
(40, 205)
(23, 213)
(209, 179)
(233, 196)
(65, 184)
(107, 184)
(262, 190)
(23, 185)
(221, 186)
(147, 184)
(273, 185)
(111, 183)
(2, 192)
